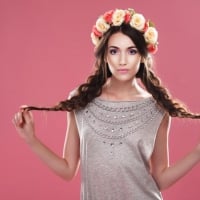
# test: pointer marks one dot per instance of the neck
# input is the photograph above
(115, 89)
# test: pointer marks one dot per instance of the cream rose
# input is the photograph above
(151, 35)
(118, 17)
(95, 39)
(138, 21)
(101, 25)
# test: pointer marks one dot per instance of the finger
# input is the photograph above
(27, 116)
(20, 118)
(23, 107)
(14, 120)
(17, 119)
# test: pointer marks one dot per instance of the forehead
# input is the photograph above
(120, 40)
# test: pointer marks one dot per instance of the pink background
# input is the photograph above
(45, 51)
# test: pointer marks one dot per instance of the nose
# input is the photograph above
(122, 59)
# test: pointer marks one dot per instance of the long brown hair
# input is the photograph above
(92, 88)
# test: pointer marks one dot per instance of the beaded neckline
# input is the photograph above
(118, 119)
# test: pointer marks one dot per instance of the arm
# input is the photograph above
(164, 174)
(66, 166)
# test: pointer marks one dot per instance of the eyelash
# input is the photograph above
(113, 51)
(133, 51)
(130, 51)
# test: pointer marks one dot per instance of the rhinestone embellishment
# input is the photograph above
(118, 120)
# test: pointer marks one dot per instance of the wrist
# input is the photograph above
(31, 140)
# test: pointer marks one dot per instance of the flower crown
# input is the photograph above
(117, 17)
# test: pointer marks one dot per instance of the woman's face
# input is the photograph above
(122, 57)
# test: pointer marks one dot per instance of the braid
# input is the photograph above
(84, 94)
(162, 95)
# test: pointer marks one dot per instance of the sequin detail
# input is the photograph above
(117, 120)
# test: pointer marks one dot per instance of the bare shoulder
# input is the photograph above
(72, 93)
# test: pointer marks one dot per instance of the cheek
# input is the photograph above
(136, 63)
(111, 62)
(111, 68)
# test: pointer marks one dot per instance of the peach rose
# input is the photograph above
(101, 25)
(138, 22)
(151, 35)
(118, 17)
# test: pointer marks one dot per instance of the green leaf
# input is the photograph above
(151, 24)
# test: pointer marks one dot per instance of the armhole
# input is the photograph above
(79, 120)
(72, 93)
(162, 113)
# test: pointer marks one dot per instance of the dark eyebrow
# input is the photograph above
(113, 47)
(131, 47)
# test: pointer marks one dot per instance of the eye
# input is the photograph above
(113, 51)
(132, 51)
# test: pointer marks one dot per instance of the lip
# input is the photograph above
(124, 70)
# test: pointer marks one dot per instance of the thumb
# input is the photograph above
(27, 116)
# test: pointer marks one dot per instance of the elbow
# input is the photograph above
(69, 173)
(162, 185)
(162, 182)
(67, 176)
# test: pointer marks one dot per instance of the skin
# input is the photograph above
(65, 166)
(123, 60)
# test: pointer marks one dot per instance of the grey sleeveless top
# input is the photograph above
(117, 139)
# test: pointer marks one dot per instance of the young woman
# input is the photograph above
(119, 120)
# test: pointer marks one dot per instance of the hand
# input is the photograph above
(24, 124)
